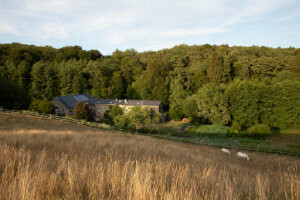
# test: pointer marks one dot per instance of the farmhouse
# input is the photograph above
(64, 105)
(102, 105)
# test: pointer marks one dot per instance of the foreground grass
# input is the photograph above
(43, 159)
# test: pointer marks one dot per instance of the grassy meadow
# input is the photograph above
(285, 140)
(48, 159)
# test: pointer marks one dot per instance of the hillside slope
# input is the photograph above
(47, 159)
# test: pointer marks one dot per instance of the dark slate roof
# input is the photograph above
(71, 100)
(144, 102)
(110, 101)
(128, 102)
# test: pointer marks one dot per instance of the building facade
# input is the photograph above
(64, 105)
(102, 105)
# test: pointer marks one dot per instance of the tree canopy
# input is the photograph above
(220, 84)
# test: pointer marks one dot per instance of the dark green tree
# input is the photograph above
(80, 83)
(52, 82)
(12, 95)
(112, 113)
(279, 103)
(177, 95)
(155, 79)
(244, 99)
(23, 74)
(217, 71)
(116, 89)
(190, 107)
(213, 104)
(39, 83)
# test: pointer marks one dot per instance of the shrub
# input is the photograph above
(214, 129)
(46, 107)
(43, 106)
(121, 121)
(187, 130)
(34, 105)
(176, 112)
(148, 129)
(235, 129)
(82, 111)
(114, 111)
(258, 130)
(131, 128)
(143, 116)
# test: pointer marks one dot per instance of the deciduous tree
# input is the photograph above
(82, 111)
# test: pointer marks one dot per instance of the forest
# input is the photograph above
(235, 86)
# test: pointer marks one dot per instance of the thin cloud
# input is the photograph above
(158, 45)
(53, 30)
(7, 28)
(133, 23)
(192, 32)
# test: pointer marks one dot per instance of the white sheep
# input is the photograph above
(242, 155)
(225, 151)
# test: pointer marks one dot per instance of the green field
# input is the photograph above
(287, 140)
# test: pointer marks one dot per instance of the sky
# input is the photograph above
(107, 25)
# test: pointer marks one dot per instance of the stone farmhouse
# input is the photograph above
(64, 105)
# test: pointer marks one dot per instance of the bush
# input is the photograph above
(131, 128)
(46, 107)
(187, 130)
(148, 129)
(259, 130)
(214, 129)
(121, 121)
(143, 116)
(176, 112)
(82, 111)
(235, 129)
(114, 111)
(42, 106)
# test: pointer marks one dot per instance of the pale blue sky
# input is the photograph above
(108, 25)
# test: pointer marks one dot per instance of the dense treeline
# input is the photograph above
(239, 86)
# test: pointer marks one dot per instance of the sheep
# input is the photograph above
(225, 151)
(242, 155)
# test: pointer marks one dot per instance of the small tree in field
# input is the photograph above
(43, 106)
(143, 116)
(82, 111)
(114, 111)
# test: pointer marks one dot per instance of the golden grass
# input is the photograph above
(40, 161)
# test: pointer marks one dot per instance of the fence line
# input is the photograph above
(108, 127)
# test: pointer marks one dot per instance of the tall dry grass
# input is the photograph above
(92, 164)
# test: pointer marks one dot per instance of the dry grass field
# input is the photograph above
(47, 159)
